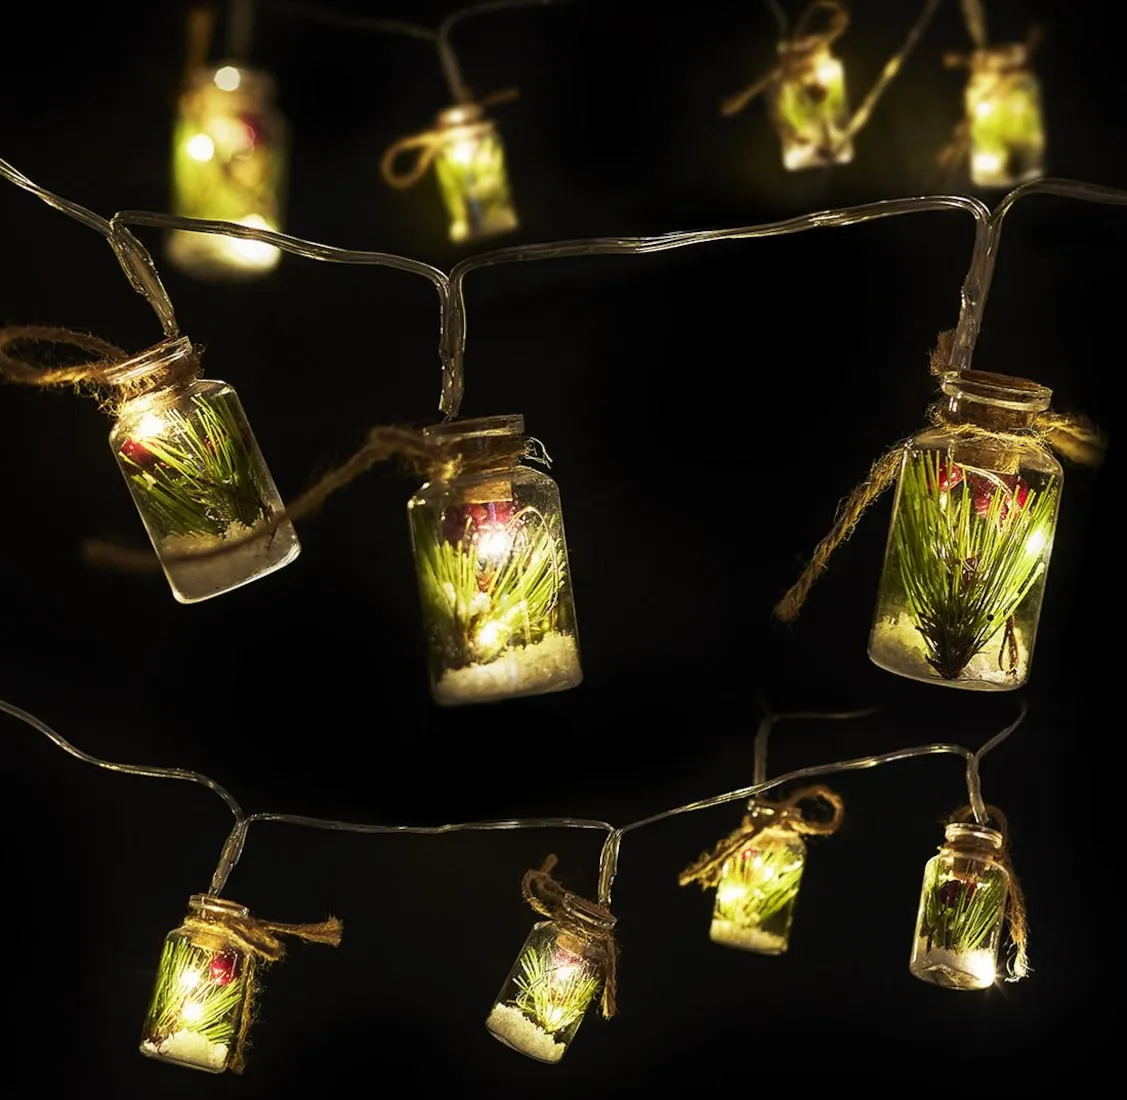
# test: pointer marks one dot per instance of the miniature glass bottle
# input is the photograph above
(491, 560)
(1003, 110)
(470, 168)
(971, 535)
(203, 983)
(230, 146)
(757, 892)
(198, 479)
(557, 975)
(809, 107)
(962, 909)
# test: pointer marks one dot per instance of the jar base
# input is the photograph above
(546, 666)
(797, 158)
(188, 1049)
(218, 259)
(729, 934)
(962, 970)
(512, 1027)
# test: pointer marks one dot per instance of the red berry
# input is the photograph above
(137, 452)
(949, 476)
(225, 968)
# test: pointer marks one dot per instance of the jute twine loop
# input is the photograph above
(112, 374)
(707, 870)
(1017, 965)
(427, 144)
(795, 52)
(260, 940)
(423, 456)
(548, 897)
(1071, 435)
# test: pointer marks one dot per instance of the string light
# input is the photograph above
(199, 1012)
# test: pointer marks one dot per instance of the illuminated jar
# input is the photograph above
(809, 107)
(962, 908)
(557, 975)
(470, 168)
(1003, 108)
(969, 544)
(228, 164)
(492, 565)
(203, 984)
(198, 479)
(757, 891)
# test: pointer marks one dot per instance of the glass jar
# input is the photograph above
(202, 988)
(809, 106)
(558, 973)
(491, 560)
(230, 145)
(470, 168)
(198, 479)
(970, 540)
(962, 908)
(757, 891)
(1003, 110)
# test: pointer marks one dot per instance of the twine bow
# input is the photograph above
(1017, 965)
(427, 144)
(114, 375)
(795, 52)
(1071, 435)
(762, 814)
(548, 897)
(260, 940)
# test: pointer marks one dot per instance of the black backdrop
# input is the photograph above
(706, 410)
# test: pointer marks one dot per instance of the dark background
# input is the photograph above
(706, 410)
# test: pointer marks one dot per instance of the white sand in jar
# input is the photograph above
(897, 646)
(552, 664)
(515, 1029)
(191, 1049)
(193, 581)
(955, 969)
(730, 934)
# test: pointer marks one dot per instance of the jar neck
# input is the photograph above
(159, 375)
(489, 446)
(996, 402)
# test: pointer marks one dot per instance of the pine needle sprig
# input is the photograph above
(960, 914)
(198, 476)
(770, 879)
(554, 1001)
(965, 574)
(183, 976)
(478, 607)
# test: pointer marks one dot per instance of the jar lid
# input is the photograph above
(463, 114)
(964, 831)
(211, 905)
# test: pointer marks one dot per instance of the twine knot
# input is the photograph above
(260, 940)
(1017, 920)
(427, 144)
(762, 814)
(577, 918)
(795, 52)
(113, 375)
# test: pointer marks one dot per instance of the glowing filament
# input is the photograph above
(192, 1011)
(200, 147)
(228, 78)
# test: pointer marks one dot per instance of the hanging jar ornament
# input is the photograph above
(972, 529)
(491, 559)
(969, 891)
(196, 474)
(806, 95)
(757, 870)
(566, 962)
(204, 993)
(469, 165)
(230, 147)
(1003, 127)
(187, 453)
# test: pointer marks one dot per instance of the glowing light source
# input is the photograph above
(1003, 111)
(227, 78)
(200, 147)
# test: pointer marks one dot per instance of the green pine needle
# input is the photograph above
(202, 478)
(476, 609)
(770, 879)
(554, 1002)
(219, 1005)
(965, 575)
(961, 914)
